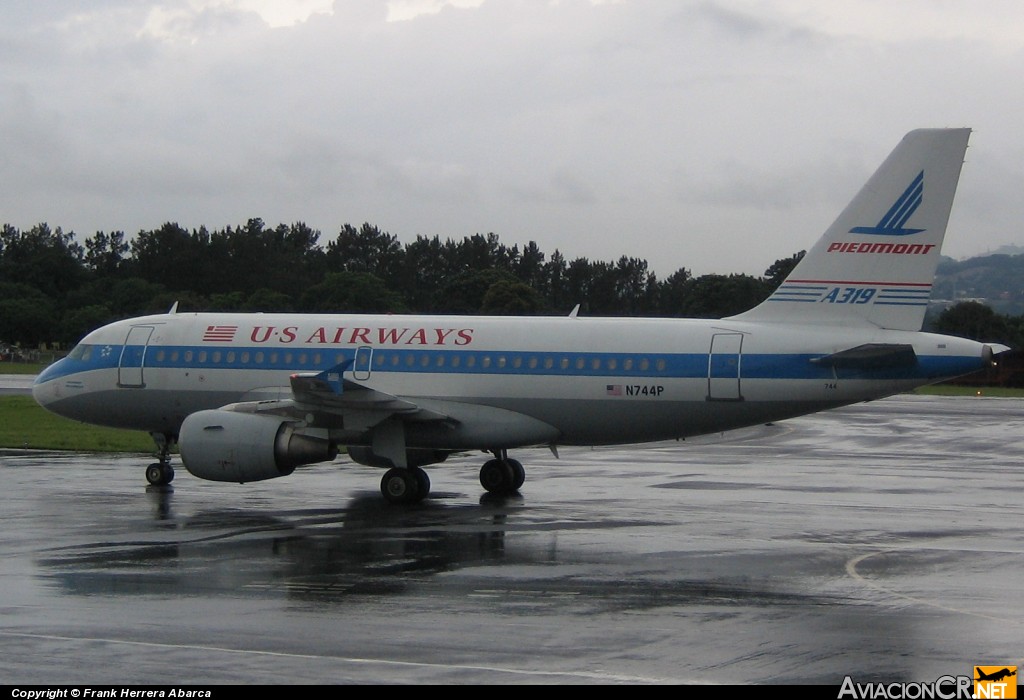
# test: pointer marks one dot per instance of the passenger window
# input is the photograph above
(660, 365)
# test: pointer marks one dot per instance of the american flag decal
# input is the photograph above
(219, 334)
(613, 389)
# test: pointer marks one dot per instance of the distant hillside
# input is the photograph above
(997, 280)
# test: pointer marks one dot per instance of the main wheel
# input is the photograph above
(400, 485)
(496, 476)
(423, 483)
(518, 473)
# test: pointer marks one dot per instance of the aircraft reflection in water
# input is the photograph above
(252, 396)
(308, 554)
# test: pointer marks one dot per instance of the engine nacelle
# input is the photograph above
(229, 446)
(414, 457)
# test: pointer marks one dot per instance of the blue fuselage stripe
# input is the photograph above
(499, 363)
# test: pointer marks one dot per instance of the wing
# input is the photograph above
(353, 413)
(328, 400)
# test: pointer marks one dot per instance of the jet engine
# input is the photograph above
(223, 445)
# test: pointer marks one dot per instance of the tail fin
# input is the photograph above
(877, 261)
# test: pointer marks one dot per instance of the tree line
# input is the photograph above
(54, 289)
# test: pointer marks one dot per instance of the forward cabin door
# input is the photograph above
(133, 357)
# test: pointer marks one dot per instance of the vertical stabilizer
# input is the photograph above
(877, 261)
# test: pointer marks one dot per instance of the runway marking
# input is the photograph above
(590, 675)
(851, 569)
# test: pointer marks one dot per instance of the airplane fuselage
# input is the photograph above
(588, 379)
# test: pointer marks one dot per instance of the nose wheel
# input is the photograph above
(161, 473)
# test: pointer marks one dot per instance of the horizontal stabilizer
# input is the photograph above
(871, 356)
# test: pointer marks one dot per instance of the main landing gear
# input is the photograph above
(405, 485)
(161, 473)
(502, 476)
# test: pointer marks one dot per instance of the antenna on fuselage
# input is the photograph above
(174, 308)
(575, 311)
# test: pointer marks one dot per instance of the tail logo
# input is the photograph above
(892, 223)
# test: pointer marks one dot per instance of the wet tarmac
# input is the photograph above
(16, 383)
(883, 541)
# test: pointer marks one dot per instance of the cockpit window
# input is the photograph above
(81, 352)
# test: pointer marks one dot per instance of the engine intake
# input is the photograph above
(220, 445)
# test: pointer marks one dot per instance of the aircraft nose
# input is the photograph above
(46, 387)
(42, 391)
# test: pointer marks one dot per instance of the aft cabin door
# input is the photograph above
(133, 356)
(724, 367)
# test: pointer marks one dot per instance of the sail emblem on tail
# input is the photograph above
(894, 219)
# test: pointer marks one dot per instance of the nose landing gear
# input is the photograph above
(161, 473)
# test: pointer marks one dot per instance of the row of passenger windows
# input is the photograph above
(384, 360)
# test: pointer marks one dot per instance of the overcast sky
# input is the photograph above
(717, 135)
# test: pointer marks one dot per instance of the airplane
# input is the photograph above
(994, 676)
(253, 396)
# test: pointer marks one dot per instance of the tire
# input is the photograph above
(399, 486)
(155, 474)
(518, 474)
(496, 476)
(422, 483)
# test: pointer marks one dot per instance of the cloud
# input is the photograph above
(717, 135)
